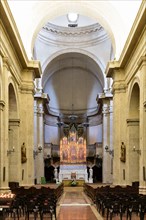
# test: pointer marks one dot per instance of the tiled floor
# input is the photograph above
(75, 205)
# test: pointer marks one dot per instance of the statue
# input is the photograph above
(123, 152)
(23, 153)
(91, 173)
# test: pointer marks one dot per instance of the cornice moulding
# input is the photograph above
(76, 40)
(12, 31)
(134, 35)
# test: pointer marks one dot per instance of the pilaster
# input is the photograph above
(142, 165)
(27, 124)
(119, 124)
(4, 163)
(41, 99)
(107, 111)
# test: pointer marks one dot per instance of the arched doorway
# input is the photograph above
(133, 135)
(13, 136)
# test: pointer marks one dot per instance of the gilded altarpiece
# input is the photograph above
(73, 148)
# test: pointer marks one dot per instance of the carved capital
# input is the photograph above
(14, 122)
(2, 105)
(119, 87)
(133, 122)
(27, 88)
(6, 62)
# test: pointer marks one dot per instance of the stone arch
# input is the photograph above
(12, 102)
(133, 127)
(13, 132)
(87, 10)
(82, 52)
(134, 101)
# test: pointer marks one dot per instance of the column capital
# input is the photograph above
(119, 87)
(2, 105)
(14, 122)
(27, 88)
(132, 121)
(42, 96)
(6, 62)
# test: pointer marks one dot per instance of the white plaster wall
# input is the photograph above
(95, 134)
(72, 86)
(51, 134)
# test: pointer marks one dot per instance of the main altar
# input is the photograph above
(73, 155)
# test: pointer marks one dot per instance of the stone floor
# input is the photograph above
(75, 205)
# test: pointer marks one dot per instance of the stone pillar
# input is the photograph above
(14, 157)
(39, 158)
(2, 167)
(107, 138)
(4, 162)
(119, 125)
(40, 100)
(142, 165)
(27, 124)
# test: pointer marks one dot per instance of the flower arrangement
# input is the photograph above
(73, 183)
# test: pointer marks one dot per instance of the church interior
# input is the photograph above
(73, 109)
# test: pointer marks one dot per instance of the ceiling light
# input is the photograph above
(72, 17)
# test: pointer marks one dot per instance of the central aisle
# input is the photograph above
(75, 205)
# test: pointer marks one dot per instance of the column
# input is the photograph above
(39, 158)
(27, 124)
(14, 156)
(107, 141)
(119, 125)
(142, 165)
(4, 168)
(41, 99)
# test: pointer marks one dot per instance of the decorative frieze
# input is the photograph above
(69, 31)
(2, 105)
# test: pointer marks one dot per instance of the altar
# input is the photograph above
(73, 171)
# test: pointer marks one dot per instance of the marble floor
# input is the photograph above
(75, 205)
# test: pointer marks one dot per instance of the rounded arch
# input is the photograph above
(134, 96)
(86, 9)
(13, 98)
(12, 102)
(85, 53)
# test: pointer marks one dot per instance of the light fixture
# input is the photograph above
(10, 151)
(111, 152)
(136, 150)
(36, 152)
(72, 19)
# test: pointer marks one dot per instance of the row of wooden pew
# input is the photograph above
(123, 201)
